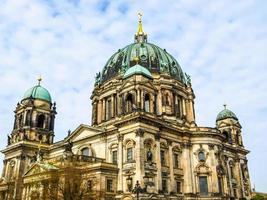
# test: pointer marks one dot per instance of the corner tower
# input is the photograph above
(32, 132)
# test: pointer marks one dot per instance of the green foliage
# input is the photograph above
(258, 197)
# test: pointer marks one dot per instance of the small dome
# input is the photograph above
(38, 92)
(137, 70)
(226, 113)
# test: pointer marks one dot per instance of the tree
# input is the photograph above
(258, 197)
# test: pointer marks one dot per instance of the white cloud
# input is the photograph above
(221, 44)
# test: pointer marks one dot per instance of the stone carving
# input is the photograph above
(68, 147)
(188, 79)
(149, 155)
(97, 79)
(8, 140)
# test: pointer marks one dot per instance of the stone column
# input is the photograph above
(172, 180)
(142, 100)
(138, 99)
(99, 114)
(104, 110)
(188, 181)
(158, 163)
(213, 165)
(183, 107)
(113, 106)
(139, 156)
(159, 106)
(120, 163)
(241, 179)
(230, 180)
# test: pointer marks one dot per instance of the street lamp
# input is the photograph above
(138, 189)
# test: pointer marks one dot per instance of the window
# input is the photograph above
(89, 186)
(114, 157)
(164, 186)
(162, 157)
(232, 171)
(201, 156)
(85, 151)
(176, 160)
(108, 107)
(129, 154)
(109, 185)
(129, 103)
(28, 118)
(40, 121)
(220, 185)
(203, 185)
(147, 103)
(178, 187)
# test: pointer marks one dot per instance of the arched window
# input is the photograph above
(85, 151)
(40, 121)
(20, 121)
(227, 137)
(28, 118)
(201, 156)
(147, 103)
(129, 103)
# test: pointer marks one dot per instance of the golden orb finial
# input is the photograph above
(136, 60)
(39, 79)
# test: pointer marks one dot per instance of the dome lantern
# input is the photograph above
(226, 113)
(38, 92)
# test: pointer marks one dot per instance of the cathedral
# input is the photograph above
(143, 141)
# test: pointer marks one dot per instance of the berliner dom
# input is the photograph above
(143, 141)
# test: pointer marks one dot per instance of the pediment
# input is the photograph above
(83, 131)
(39, 168)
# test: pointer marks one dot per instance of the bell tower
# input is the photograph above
(33, 131)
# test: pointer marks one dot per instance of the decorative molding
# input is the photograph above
(139, 132)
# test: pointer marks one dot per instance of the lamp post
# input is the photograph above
(138, 189)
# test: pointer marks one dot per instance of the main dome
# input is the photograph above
(148, 55)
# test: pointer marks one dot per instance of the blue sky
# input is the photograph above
(221, 44)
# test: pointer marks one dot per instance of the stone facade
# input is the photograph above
(143, 131)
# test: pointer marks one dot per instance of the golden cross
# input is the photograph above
(39, 80)
(224, 105)
(139, 16)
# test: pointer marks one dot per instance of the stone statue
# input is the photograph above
(97, 78)
(188, 79)
(149, 155)
(68, 147)
(8, 140)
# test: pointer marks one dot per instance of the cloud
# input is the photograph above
(222, 44)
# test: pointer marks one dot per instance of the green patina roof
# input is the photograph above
(150, 56)
(224, 114)
(38, 92)
(137, 70)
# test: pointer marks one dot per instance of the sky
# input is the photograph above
(222, 44)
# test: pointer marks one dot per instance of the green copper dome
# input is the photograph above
(150, 56)
(224, 114)
(137, 70)
(38, 92)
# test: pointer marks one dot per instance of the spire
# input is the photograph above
(39, 80)
(140, 26)
(140, 35)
